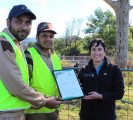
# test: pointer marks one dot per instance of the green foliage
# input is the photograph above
(102, 25)
(30, 44)
(128, 78)
(130, 39)
(59, 45)
(87, 43)
(81, 48)
(72, 51)
(130, 55)
(70, 42)
(65, 48)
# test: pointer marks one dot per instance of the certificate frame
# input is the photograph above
(68, 84)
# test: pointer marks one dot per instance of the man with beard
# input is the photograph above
(15, 93)
(42, 61)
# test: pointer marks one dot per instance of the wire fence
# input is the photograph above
(124, 107)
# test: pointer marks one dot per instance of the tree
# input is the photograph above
(59, 46)
(121, 8)
(102, 25)
(72, 37)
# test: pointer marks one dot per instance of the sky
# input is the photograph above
(58, 12)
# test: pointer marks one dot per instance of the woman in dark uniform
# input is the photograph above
(102, 84)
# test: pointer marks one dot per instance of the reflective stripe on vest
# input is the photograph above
(42, 79)
(7, 101)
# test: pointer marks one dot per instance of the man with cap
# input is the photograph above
(42, 61)
(15, 93)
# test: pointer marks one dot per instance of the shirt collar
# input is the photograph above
(99, 67)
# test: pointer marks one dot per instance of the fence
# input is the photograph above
(124, 107)
(83, 60)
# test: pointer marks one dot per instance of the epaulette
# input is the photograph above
(6, 46)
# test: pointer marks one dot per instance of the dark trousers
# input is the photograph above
(93, 118)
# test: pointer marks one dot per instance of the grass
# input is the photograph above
(71, 112)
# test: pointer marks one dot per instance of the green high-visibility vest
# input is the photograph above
(42, 79)
(8, 101)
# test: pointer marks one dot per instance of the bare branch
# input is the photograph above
(113, 3)
(130, 7)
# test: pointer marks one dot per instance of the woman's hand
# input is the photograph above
(93, 95)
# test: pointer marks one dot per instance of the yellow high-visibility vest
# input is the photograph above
(42, 79)
(8, 101)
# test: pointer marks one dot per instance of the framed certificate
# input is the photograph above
(68, 84)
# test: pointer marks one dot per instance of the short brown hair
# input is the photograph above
(97, 42)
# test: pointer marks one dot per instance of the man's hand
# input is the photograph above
(53, 102)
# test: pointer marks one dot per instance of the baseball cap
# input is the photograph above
(18, 10)
(45, 26)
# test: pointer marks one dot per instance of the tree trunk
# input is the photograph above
(122, 25)
(121, 8)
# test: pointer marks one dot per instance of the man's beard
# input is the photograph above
(40, 46)
(16, 35)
